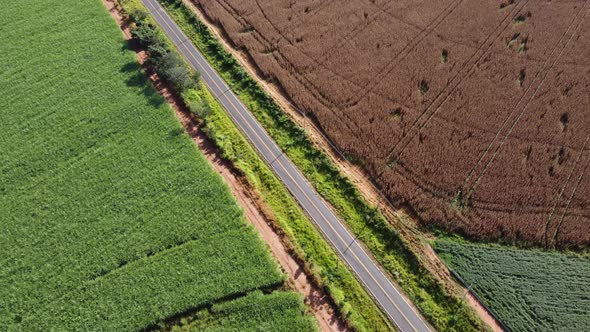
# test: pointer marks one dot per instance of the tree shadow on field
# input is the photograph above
(129, 45)
(138, 79)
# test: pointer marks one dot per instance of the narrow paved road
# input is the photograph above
(383, 290)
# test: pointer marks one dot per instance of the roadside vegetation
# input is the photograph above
(529, 290)
(111, 219)
(163, 60)
(445, 312)
(354, 304)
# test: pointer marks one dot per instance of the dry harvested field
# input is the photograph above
(476, 114)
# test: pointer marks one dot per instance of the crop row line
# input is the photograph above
(560, 195)
(408, 48)
(310, 12)
(351, 34)
(563, 215)
(563, 189)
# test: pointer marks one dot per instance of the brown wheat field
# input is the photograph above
(475, 114)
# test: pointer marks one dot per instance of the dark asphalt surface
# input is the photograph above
(379, 286)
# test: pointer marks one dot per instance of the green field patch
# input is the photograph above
(111, 218)
(278, 311)
(529, 290)
(172, 281)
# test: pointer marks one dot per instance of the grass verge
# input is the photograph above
(444, 311)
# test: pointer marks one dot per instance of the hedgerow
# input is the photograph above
(162, 59)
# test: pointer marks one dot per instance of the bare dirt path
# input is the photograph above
(401, 219)
(254, 208)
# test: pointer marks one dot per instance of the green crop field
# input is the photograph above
(529, 290)
(111, 219)
(278, 311)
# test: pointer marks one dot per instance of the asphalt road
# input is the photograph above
(402, 314)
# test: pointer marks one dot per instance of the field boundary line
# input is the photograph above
(469, 290)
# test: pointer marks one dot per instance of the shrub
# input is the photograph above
(167, 64)
(144, 34)
(423, 86)
(200, 108)
(138, 15)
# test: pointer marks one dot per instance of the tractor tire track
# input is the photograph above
(522, 98)
(429, 112)
(517, 120)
